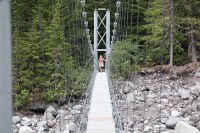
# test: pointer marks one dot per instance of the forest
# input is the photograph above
(51, 56)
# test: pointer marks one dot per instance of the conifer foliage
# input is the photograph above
(50, 46)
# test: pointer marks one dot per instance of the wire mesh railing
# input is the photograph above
(86, 104)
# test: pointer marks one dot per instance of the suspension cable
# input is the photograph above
(131, 43)
(124, 19)
(161, 62)
(86, 26)
(145, 71)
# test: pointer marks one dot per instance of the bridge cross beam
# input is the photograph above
(98, 38)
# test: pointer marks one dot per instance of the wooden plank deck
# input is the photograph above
(100, 118)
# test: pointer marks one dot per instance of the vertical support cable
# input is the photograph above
(95, 39)
(5, 67)
(107, 36)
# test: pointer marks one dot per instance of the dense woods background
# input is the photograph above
(50, 48)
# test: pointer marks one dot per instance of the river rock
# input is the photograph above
(171, 122)
(25, 121)
(175, 113)
(25, 129)
(52, 110)
(38, 106)
(157, 128)
(130, 97)
(185, 94)
(164, 101)
(183, 127)
(50, 124)
(191, 123)
(198, 125)
(195, 118)
(151, 95)
(72, 127)
(197, 73)
(16, 119)
(41, 123)
(147, 128)
(163, 120)
(48, 116)
(132, 85)
(129, 124)
(195, 90)
(194, 107)
(78, 107)
(16, 130)
(165, 113)
(126, 88)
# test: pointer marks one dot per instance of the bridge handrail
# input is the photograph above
(116, 112)
(86, 108)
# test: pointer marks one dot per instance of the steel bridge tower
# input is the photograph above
(101, 33)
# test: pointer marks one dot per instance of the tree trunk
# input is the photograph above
(192, 56)
(171, 32)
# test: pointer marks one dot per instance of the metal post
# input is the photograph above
(107, 36)
(95, 39)
(5, 67)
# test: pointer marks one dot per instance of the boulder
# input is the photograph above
(194, 107)
(175, 113)
(150, 70)
(48, 116)
(191, 123)
(41, 123)
(158, 128)
(25, 129)
(52, 110)
(164, 101)
(195, 118)
(163, 120)
(197, 73)
(130, 97)
(129, 124)
(72, 127)
(185, 94)
(165, 113)
(126, 88)
(78, 107)
(38, 107)
(132, 85)
(16, 119)
(50, 124)
(26, 121)
(195, 90)
(183, 127)
(171, 122)
(16, 130)
(147, 128)
(151, 95)
(198, 125)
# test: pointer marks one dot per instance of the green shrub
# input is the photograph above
(22, 98)
(49, 96)
(78, 81)
(125, 58)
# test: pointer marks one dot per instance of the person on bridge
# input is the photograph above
(101, 62)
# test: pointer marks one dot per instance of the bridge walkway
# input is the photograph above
(100, 119)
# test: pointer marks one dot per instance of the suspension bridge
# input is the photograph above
(103, 114)
(100, 115)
